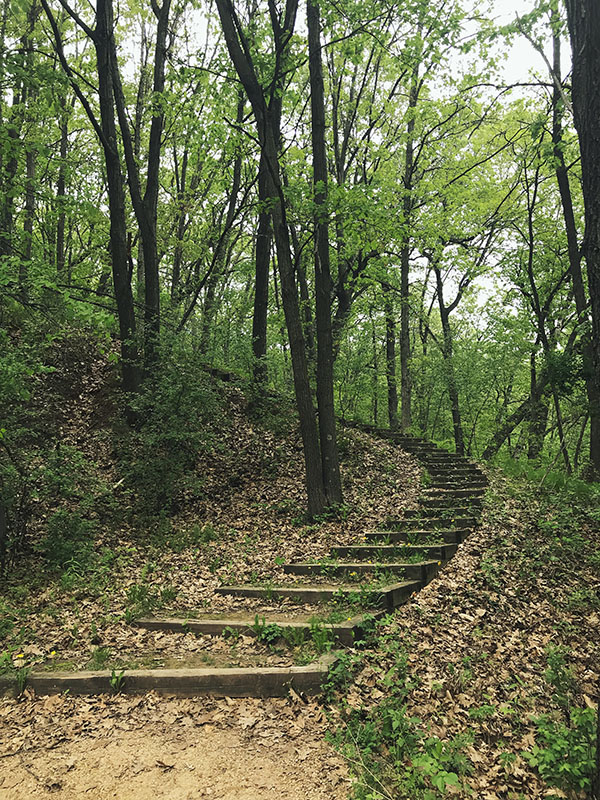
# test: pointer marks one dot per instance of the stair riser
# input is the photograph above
(457, 485)
(342, 633)
(431, 524)
(450, 537)
(450, 503)
(437, 493)
(444, 512)
(441, 552)
(407, 572)
(249, 682)
(388, 597)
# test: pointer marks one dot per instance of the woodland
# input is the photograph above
(235, 237)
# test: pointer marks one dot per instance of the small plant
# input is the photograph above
(482, 712)
(293, 637)
(94, 636)
(117, 680)
(168, 594)
(21, 675)
(564, 753)
(100, 657)
(322, 638)
(268, 633)
(231, 634)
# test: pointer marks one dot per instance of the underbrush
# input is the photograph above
(486, 684)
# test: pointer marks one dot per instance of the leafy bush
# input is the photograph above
(69, 540)
(176, 414)
(565, 753)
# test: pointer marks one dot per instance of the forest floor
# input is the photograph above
(496, 657)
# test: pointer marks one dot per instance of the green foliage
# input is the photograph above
(176, 413)
(117, 680)
(565, 752)
(69, 540)
(267, 633)
(100, 657)
(394, 757)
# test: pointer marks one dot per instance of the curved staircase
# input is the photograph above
(396, 561)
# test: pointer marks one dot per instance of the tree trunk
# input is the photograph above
(269, 136)
(116, 201)
(562, 176)
(538, 416)
(584, 29)
(261, 286)
(323, 283)
(390, 357)
(447, 352)
(61, 190)
(407, 181)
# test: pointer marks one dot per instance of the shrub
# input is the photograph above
(176, 411)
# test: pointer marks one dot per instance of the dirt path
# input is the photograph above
(149, 747)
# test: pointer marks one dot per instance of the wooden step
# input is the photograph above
(342, 632)
(443, 503)
(442, 492)
(453, 471)
(234, 682)
(450, 536)
(440, 551)
(422, 571)
(431, 523)
(383, 597)
(444, 512)
(457, 484)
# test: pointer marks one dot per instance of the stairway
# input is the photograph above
(358, 582)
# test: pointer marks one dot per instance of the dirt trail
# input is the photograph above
(146, 748)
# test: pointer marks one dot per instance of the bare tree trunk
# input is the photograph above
(323, 283)
(269, 135)
(447, 352)
(407, 180)
(584, 29)
(61, 190)
(538, 416)
(261, 285)
(390, 357)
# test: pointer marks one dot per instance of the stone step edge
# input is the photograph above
(232, 682)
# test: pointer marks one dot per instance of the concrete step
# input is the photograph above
(440, 551)
(422, 571)
(380, 597)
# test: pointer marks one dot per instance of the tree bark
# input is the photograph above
(261, 285)
(269, 137)
(538, 415)
(407, 181)
(390, 358)
(583, 18)
(562, 176)
(447, 352)
(323, 283)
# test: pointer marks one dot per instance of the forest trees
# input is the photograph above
(307, 194)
